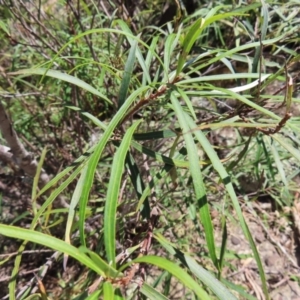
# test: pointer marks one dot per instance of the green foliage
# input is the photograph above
(185, 84)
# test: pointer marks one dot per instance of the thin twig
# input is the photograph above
(25, 252)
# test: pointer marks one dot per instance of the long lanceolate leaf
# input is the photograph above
(110, 218)
(53, 243)
(209, 280)
(84, 186)
(196, 174)
(63, 76)
(139, 55)
(148, 60)
(209, 150)
(74, 201)
(152, 293)
(176, 271)
(188, 42)
(127, 74)
(206, 277)
(138, 184)
(264, 28)
(194, 33)
(84, 183)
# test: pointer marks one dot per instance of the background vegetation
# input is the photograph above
(164, 125)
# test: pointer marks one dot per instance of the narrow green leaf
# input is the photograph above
(238, 289)
(223, 244)
(54, 194)
(36, 179)
(76, 164)
(246, 8)
(196, 174)
(62, 76)
(264, 28)
(4, 27)
(112, 197)
(209, 150)
(149, 58)
(176, 271)
(215, 9)
(138, 184)
(206, 277)
(262, 149)
(107, 269)
(292, 150)
(50, 242)
(265, 15)
(188, 102)
(139, 55)
(127, 74)
(108, 291)
(37, 296)
(194, 33)
(188, 42)
(152, 293)
(81, 184)
(168, 55)
(95, 120)
(279, 166)
(86, 182)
